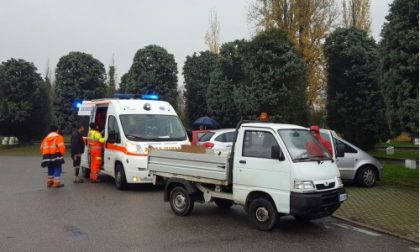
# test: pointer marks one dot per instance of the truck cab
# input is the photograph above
(131, 127)
(273, 169)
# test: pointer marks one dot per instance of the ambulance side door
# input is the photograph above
(113, 140)
(87, 110)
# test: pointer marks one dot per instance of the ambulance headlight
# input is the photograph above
(303, 185)
(133, 148)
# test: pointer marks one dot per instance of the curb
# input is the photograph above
(375, 228)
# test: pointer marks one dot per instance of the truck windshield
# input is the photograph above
(303, 146)
(153, 128)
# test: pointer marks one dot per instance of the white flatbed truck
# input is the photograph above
(270, 171)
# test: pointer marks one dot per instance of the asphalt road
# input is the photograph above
(97, 217)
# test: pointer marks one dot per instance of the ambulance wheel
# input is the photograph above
(120, 179)
(86, 172)
(263, 214)
(180, 201)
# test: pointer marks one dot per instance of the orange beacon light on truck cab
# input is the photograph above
(264, 117)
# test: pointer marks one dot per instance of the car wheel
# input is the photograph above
(120, 179)
(262, 214)
(86, 172)
(223, 204)
(180, 201)
(366, 176)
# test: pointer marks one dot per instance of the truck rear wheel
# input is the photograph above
(262, 214)
(223, 204)
(120, 179)
(180, 201)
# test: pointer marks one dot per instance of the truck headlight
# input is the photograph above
(304, 185)
(339, 182)
(134, 148)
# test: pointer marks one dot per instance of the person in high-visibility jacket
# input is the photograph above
(53, 149)
(96, 145)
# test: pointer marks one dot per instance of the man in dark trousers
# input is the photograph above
(77, 149)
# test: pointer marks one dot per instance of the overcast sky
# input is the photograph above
(42, 31)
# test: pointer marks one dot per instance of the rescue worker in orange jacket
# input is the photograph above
(53, 150)
(96, 143)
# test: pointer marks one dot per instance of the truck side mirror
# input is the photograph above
(276, 153)
(340, 150)
(112, 136)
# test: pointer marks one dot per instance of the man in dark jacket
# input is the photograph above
(77, 149)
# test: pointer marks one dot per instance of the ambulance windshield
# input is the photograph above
(153, 128)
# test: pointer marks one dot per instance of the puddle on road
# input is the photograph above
(75, 232)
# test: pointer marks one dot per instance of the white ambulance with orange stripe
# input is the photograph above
(131, 125)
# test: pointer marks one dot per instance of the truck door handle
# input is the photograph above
(242, 161)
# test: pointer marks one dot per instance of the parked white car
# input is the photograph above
(218, 140)
(353, 163)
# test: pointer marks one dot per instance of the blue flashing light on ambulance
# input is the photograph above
(132, 125)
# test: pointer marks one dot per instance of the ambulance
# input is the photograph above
(132, 125)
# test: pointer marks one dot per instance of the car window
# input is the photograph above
(200, 134)
(206, 137)
(221, 138)
(347, 148)
(230, 136)
(258, 144)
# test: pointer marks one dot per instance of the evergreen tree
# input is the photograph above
(400, 66)
(275, 80)
(307, 23)
(154, 70)
(196, 70)
(125, 80)
(223, 81)
(23, 100)
(111, 81)
(355, 104)
(78, 76)
(220, 103)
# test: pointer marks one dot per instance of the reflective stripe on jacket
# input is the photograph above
(95, 136)
(52, 149)
(95, 141)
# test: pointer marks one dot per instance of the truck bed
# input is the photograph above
(205, 168)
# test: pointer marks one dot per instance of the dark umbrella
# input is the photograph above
(206, 122)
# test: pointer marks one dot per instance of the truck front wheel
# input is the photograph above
(262, 214)
(181, 202)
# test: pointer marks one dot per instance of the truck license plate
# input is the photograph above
(342, 197)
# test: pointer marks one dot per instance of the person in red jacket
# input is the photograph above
(315, 131)
(53, 150)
